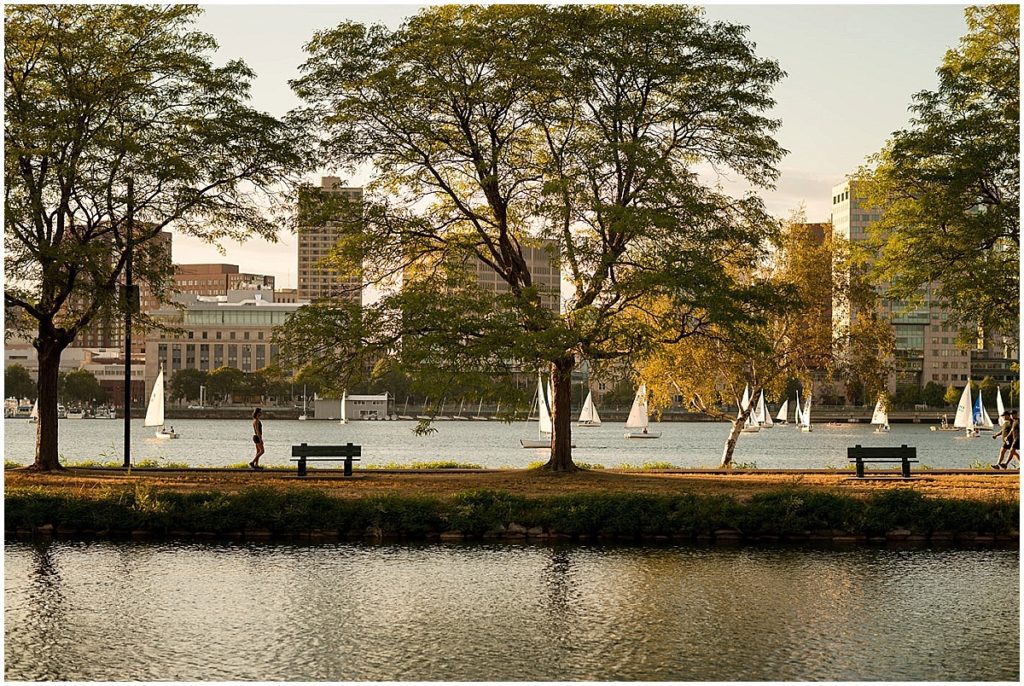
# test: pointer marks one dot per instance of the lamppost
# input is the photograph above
(130, 296)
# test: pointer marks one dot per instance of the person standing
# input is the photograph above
(257, 438)
(1006, 434)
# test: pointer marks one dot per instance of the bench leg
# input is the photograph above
(860, 468)
(348, 466)
(906, 468)
(302, 466)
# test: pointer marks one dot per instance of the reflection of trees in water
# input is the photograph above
(40, 618)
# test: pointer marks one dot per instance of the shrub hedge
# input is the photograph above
(791, 511)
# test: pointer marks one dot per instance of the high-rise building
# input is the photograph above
(542, 260)
(926, 342)
(316, 239)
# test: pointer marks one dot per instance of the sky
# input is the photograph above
(851, 73)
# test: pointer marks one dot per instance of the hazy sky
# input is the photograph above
(851, 72)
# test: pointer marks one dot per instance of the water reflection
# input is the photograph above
(180, 611)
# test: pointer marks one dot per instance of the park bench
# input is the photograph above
(328, 453)
(902, 454)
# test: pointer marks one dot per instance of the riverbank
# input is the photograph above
(517, 504)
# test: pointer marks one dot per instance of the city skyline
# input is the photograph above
(841, 100)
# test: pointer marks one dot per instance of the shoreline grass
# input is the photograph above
(791, 513)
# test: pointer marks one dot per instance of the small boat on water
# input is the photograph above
(638, 424)
(880, 417)
(478, 417)
(76, 414)
(764, 417)
(750, 425)
(964, 418)
(458, 417)
(805, 417)
(543, 405)
(155, 409)
(780, 418)
(589, 415)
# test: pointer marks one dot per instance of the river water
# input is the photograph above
(214, 442)
(188, 611)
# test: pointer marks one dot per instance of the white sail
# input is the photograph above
(964, 418)
(344, 403)
(761, 413)
(806, 420)
(986, 421)
(745, 401)
(589, 416)
(638, 413)
(155, 410)
(1000, 408)
(543, 408)
(781, 416)
(880, 415)
(34, 414)
(766, 420)
(797, 418)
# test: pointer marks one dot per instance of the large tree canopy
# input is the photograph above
(95, 97)
(950, 184)
(581, 129)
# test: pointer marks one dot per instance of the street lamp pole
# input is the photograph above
(130, 294)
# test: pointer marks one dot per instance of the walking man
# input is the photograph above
(1006, 434)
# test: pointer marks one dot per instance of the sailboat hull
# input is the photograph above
(750, 429)
(538, 443)
(166, 436)
(588, 423)
(805, 429)
(641, 434)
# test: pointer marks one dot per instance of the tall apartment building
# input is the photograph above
(217, 279)
(542, 260)
(926, 345)
(316, 242)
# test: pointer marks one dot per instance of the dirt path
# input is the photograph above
(528, 483)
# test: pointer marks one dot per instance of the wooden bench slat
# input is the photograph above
(326, 450)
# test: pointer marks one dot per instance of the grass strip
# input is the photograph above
(480, 513)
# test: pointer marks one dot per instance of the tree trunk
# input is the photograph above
(730, 443)
(49, 350)
(737, 428)
(561, 417)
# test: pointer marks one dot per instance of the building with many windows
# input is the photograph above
(316, 240)
(217, 279)
(232, 330)
(926, 343)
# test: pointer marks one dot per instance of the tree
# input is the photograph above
(952, 396)
(18, 382)
(987, 388)
(81, 387)
(932, 395)
(495, 130)
(224, 381)
(907, 396)
(185, 384)
(118, 126)
(950, 184)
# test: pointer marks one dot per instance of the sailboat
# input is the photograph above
(780, 418)
(426, 404)
(880, 417)
(303, 417)
(764, 418)
(1000, 408)
(155, 409)
(479, 417)
(805, 418)
(982, 421)
(440, 413)
(964, 418)
(33, 416)
(459, 416)
(589, 416)
(543, 439)
(637, 423)
(344, 408)
(750, 425)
